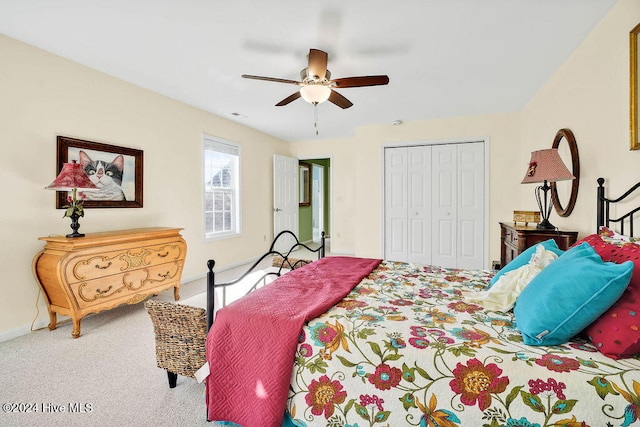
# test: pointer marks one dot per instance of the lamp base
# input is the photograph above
(545, 205)
(545, 225)
(75, 225)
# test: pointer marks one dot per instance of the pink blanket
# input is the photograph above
(252, 343)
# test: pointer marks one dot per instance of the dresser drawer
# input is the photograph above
(103, 264)
(123, 286)
(511, 237)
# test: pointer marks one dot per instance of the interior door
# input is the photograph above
(458, 205)
(419, 204)
(396, 206)
(408, 204)
(471, 199)
(317, 201)
(285, 197)
(434, 204)
(444, 198)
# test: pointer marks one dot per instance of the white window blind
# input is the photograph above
(221, 187)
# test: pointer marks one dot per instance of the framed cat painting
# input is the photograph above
(116, 171)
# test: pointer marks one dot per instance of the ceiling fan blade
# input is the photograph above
(271, 79)
(361, 81)
(339, 100)
(317, 67)
(289, 99)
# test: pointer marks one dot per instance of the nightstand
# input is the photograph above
(515, 239)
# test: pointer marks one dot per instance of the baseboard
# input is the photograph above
(44, 323)
(23, 330)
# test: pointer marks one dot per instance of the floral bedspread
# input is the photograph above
(405, 349)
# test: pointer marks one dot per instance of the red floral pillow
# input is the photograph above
(617, 332)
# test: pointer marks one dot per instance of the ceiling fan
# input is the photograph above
(316, 85)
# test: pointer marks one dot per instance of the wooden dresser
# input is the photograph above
(515, 239)
(100, 271)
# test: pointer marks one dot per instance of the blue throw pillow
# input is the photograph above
(525, 257)
(568, 295)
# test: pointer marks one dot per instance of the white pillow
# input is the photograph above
(503, 294)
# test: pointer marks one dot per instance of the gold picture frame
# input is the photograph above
(634, 45)
(304, 170)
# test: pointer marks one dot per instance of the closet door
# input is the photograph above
(395, 196)
(408, 204)
(444, 186)
(434, 205)
(471, 200)
(419, 204)
(458, 205)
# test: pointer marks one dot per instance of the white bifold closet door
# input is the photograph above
(434, 204)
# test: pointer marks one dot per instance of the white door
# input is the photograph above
(285, 197)
(444, 198)
(317, 201)
(458, 205)
(419, 204)
(396, 206)
(471, 199)
(434, 204)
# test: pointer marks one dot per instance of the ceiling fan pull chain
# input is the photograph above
(315, 118)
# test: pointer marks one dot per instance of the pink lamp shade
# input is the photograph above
(546, 165)
(72, 176)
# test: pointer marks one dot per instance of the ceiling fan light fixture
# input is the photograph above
(315, 94)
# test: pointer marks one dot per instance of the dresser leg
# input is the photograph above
(176, 293)
(76, 328)
(53, 320)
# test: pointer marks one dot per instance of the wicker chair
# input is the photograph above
(181, 330)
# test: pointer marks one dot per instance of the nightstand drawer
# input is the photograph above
(515, 239)
(511, 237)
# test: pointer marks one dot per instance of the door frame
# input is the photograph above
(317, 207)
(484, 139)
(328, 219)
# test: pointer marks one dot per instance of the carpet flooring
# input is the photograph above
(106, 377)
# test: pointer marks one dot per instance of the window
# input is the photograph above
(221, 188)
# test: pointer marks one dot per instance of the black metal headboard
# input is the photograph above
(604, 213)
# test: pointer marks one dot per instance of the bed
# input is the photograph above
(363, 342)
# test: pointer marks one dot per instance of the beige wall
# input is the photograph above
(589, 94)
(43, 96)
(356, 168)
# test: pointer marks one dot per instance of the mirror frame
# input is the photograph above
(568, 136)
(634, 44)
(304, 183)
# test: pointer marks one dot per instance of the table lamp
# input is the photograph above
(72, 178)
(545, 166)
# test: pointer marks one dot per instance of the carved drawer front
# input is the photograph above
(88, 267)
(122, 287)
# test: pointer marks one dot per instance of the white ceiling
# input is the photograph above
(444, 58)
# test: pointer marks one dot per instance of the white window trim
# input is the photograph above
(209, 139)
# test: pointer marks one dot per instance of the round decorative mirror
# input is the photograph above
(568, 190)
